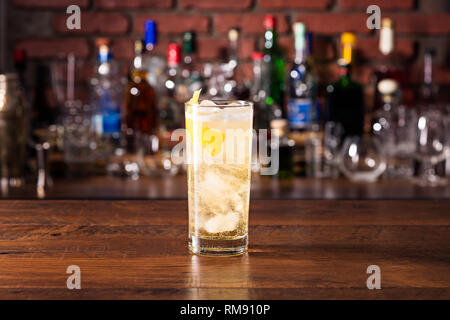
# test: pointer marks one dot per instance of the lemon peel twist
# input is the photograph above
(194, 99)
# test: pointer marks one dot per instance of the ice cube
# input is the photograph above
(215, 190)
(207, 103)
(222, 222)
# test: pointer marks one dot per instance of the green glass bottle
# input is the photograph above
(345, 97)
(189, 73)
(273, 69)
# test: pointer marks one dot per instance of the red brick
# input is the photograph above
(247, 68)
(417, 23)
(441, 74)
(173, 23)
(213, 48)
(106, 23)
(50, 3)
(215, 5)
(294, 4)
(327, 72)
(84, 70)
(249, 23)
(369, 47)
(362, 73)
(383, 4)
(323, 49)
(332, 23)
(122, 48)
(55, 48)
(134, 4)
(286, 44)
(247, 47)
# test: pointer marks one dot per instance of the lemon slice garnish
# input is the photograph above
(194, 99)
(211, 140)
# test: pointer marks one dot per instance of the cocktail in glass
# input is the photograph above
(219, 144)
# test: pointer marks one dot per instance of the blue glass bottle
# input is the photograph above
(302, 85)
(107, 97)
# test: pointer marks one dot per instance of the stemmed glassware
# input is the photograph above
(432, 146)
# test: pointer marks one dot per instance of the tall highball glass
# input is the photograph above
(218, 153)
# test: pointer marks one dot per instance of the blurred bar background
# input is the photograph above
(89, 133)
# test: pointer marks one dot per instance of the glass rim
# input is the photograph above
(223, 104)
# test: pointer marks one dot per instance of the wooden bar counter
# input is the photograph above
(103, 187)
(299, 249)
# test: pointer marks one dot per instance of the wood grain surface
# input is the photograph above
(298, 250)
(102, 187)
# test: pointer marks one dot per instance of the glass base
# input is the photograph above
(218, 247)
(430, 181)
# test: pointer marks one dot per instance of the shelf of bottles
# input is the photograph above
(326, 131)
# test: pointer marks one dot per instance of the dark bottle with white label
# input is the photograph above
(302, 85)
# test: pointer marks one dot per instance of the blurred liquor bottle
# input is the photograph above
(345, 97)
(301, 101)
(285, 146)
(171, 107)
(389, 66)
(190, 74)
(429, 101)
(302, 85)
(106, 97)
(153, 63)
(45, 111)
(428, 92)
(20, 65)
(273, 69)
(263, 113)
(237, 85)
(395, 126)
(13, 130)
(141, 113)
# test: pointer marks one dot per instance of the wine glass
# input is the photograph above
(362, 159)
(432, 146)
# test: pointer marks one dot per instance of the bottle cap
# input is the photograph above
(269, 22)
(299, 34)
(348, 38)
(278, 123)
(279, 127)
(189, 42)
(233, 34)
(343, 62)
(20, 55)
(387, 23)
(256, 56)
(104, 53)
(387, 86)
(138, 46)
(173, 54)
(386, 44)
(299, 28)
(150, 33)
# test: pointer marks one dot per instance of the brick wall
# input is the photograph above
(39, 27)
